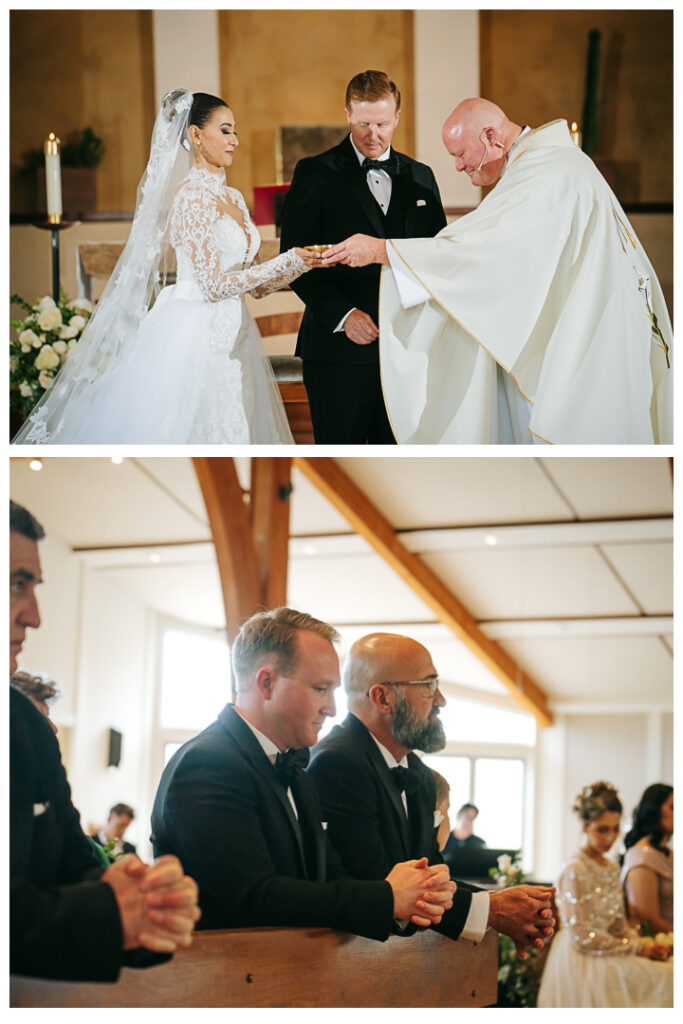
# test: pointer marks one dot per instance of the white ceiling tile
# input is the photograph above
(647, 570)
(421, 492)
(532, 583)
(624, 669)
(602, 488)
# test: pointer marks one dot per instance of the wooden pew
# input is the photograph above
(276, 967)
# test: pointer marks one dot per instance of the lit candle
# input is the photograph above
(53, 178)
(576, 134)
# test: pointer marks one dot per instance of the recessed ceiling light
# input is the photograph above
(154, 557)
(35, 464)
(490, 539)
(117, 459)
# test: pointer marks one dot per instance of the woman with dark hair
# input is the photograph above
(648, 867)
(182, 363)
(595, 959)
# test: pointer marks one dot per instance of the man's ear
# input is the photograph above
(492, 138)
(266, 678)
(380, 699)
(348, 115)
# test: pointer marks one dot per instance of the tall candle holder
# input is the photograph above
(54, 223)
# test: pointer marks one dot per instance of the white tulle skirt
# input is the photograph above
(195, 372)
(573, 979)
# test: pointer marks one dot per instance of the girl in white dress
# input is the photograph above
(183, 363)
(595, 959)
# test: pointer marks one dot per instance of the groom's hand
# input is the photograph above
(357, 251)
(360, 327)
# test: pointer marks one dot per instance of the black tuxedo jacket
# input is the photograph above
(222, 811)
(329, 200)
(367, 822)
(64, 923)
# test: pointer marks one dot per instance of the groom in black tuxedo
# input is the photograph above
(379, 798)
(361, 185)
(236, 801)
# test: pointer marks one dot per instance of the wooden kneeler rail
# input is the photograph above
(294, 967)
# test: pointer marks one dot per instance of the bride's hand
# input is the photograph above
(311, 259)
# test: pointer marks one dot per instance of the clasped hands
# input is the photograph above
(524, 912)
(421, 893)
(157, 904)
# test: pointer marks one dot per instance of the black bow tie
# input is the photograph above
(290, 764)
(390, 165)
(407, 779)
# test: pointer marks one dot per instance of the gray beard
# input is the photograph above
(411, 732)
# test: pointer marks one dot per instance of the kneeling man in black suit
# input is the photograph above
(361, 185)
(236, 801)
(379, 798)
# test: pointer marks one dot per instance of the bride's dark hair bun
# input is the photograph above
(203, 105)
(595, 799)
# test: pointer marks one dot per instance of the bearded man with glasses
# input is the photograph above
(379, 799)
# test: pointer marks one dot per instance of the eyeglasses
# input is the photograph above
(432, 684)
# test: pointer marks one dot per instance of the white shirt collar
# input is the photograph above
(385, 155)
(525, 130)
(389, 757)
(270, 749)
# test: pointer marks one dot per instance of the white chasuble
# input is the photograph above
(546, 321)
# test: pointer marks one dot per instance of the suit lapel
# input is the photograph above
(253, 752)
(403, 192)
(420, 814)
(382, 770)
(348, 166)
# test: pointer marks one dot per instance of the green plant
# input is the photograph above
(78, 150)
(518, 980)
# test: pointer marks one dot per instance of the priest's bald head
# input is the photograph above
(479, 135)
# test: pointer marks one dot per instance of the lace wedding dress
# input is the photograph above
(195, 370)
(592, 960)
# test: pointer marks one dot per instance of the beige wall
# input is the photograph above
(533, 63)
(292, 67)
(74, 69)
(446, 71)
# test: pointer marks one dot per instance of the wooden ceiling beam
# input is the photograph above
(269, 514)
(232, 538)
(366, 519)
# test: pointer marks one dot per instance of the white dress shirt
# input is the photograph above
(475, 925)
(271, 750)
(379, 183)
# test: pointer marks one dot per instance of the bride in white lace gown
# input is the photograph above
(192, 368)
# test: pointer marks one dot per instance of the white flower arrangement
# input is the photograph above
(45, 339)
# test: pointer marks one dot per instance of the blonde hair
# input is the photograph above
(274, 632)
(371, 86)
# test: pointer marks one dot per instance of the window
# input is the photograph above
(195, 679)
(487, 761)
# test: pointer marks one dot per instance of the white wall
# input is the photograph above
(53, 648)
(186, 52)
(96, 640)
(446, 72)
(115, 687)
(629, 750)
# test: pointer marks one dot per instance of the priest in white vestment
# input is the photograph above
(536, 318)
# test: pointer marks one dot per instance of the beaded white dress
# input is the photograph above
(195, 371)
(592, 960)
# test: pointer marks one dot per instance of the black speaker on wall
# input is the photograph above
(115, 741)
